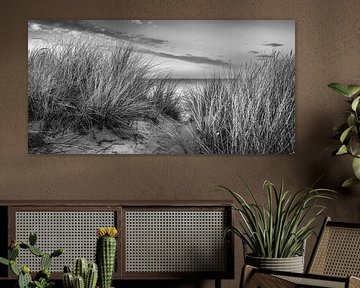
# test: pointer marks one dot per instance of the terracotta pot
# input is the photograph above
(291, 264)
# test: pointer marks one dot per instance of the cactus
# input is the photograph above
(45, 261)
(24, 278)
(13, 253)
(91, 276)
(80, 267)
(89, 272)
(68, 280)
(32, 238)
(79, 282)
(105, 254)
(36, 251)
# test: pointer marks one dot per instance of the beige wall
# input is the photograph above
(327, 50)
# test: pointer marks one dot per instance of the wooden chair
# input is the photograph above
(334, 263)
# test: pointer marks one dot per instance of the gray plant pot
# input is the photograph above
(291, 264)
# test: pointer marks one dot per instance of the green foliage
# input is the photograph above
(279, 229)
(348, 132)
(250, 110)
(42, 283)
(42, 278)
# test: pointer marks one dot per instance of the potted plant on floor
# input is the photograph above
(349, 132)
(276, 233)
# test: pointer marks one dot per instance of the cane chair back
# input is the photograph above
(337, 252)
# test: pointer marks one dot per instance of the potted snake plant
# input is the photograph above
(274, 234)
(348, 133)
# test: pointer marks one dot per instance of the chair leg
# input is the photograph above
(246, 274)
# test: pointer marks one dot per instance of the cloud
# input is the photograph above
(253, 52)
(138, 22)
(71, 26)
(187, 58)
(273, 44)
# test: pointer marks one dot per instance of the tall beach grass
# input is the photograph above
(79, 85)
(249, 110)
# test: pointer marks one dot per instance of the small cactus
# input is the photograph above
(106, 254)
(36, 251)
(79, 282)
(45, 261)
(91, 276)
(68, 280)
(89, 272)
(32, 238)
(23, 273)
(24, 277)
(80, 267)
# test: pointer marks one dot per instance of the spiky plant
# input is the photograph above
(106, 254)
(279, 229)
(42, 278)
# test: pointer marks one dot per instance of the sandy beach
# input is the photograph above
(164, 137)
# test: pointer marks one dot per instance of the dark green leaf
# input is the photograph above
(340, 88)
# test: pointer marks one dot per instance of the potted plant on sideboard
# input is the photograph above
(276, 233)
(348, 132)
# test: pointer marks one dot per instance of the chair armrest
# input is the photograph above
(255, 277)
(252, 277)
(354, 282)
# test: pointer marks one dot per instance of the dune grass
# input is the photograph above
(79, 85)
(250, 110)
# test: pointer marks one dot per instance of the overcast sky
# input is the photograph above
(186, 48)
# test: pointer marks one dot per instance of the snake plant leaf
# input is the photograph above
(345, 134)
(354, 90)
(356, 167)
(355, 103)
(349, 182)
(340, 88)
(342, 150)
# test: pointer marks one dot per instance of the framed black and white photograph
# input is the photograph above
(161, 86)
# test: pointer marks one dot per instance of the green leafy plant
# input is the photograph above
(279, 229)
(42, 278)
(349, 132)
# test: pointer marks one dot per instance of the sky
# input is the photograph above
(184, 48)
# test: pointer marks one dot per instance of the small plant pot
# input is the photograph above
(291, 264)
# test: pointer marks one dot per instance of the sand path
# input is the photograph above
(165, 137)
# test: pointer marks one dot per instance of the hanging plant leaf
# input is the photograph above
(345, 134)
(342, 150)
(340, 88)
(354, 90)
(355, 103)
(356, 167)
(349, 182)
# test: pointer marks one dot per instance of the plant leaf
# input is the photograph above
(349, 182)
(340, 88)
(355, 103)
(345, 134)
(342, 150)
(353, 89)
(356, 167)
